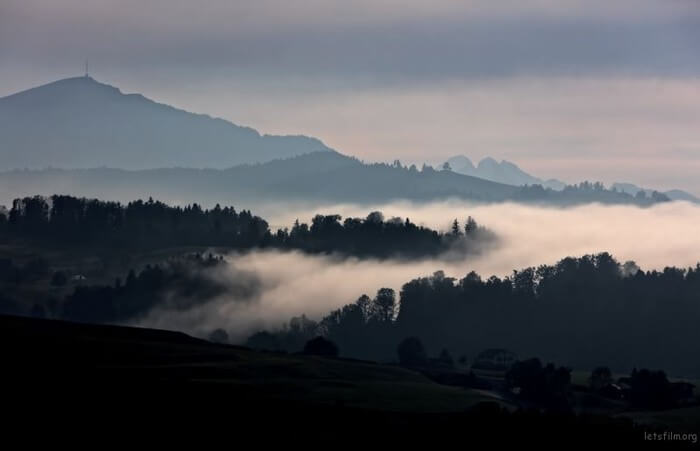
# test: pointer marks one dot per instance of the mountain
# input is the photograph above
(317, 178)
(82, 123)
(461, 164)
(510, 174)
(503, 172)
(674, 194)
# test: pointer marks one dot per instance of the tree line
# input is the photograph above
(69, 221)
(571, 194)
(582, 312)
(179, 283)
(587, 192)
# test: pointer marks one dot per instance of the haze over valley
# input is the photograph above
(362, 219)
(527, 236)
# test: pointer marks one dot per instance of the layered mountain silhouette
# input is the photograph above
(82, 123)
(318, 177)
(510, 174)
(503, 172)
(70, 136)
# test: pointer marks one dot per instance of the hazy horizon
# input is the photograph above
(571, 90)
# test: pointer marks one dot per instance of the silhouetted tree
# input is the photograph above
(456, 231)
(321, 346)
(470, 227)
(548, 385)
(384, 305)
(650, 390)
(411, 352)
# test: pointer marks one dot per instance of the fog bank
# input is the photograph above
(293, 283)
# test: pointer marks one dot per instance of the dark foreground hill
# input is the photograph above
(88, 356)
(82, 123)
(319, 177)
(121, 380)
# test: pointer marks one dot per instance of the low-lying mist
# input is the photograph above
(660, 235)
(292, 283)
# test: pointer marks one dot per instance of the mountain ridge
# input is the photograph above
(80, 122)
(506, 172)
(673, 194)
(319, 177)
(510, 173)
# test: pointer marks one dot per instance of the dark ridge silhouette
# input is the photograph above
(150, 378)
(45, 332)
(82, 123)
(315, 177)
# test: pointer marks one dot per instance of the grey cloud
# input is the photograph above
(431, 49)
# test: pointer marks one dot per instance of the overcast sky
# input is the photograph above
(565, 88)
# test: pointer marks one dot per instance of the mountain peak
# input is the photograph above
(487, 162)
(72, 85)
(77, 92)
(460, 163)
(80, 122)
(504, 172)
